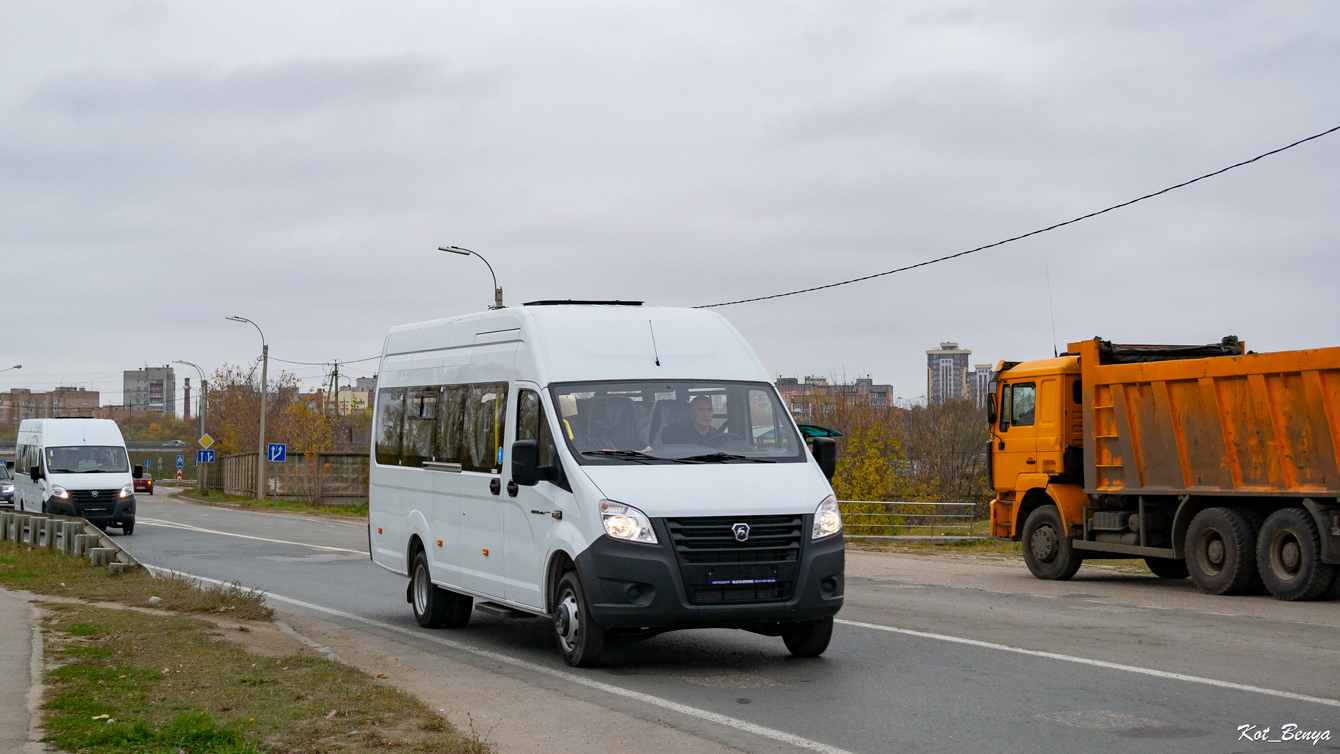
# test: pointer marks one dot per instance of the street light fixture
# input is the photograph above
(16, 366)
(204, 390)
(497, 292)
(265, 366)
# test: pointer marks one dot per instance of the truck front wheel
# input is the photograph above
(1047, 549)
(1289, 556)
(1221, 551)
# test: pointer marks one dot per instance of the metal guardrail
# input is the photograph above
(887, 518)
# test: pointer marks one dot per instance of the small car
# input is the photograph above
(145, 484)
(176, 443)
(6, 486)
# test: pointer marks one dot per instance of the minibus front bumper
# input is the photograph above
(633, 585)
(121, 511)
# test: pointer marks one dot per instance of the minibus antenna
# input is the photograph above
(655, 352)
(497, 292)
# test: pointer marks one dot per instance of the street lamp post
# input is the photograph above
(16, 366)
(497, 292)
(265, 365)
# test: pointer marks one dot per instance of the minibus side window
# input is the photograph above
(420, 423)
(390, 417)
(485, 423)
(450, 436)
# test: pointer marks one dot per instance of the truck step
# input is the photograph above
(499, 611)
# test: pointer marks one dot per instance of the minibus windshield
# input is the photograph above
(87, 459)
(676, 421)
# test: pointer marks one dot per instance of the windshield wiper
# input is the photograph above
(630, 455)
(722, 458)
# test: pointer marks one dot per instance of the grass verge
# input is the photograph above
(45, 571)
(209, 497)
(130, 682)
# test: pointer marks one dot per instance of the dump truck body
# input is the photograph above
(1130, 444)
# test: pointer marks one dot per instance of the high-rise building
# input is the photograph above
(947, 373)
(979, 383)
(150, 389)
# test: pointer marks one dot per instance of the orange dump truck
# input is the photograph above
(1206, 461)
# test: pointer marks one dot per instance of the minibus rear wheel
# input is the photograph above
(580, 640)
(434, 607)
(808, 638)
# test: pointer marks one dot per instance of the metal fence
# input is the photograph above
(865, 518)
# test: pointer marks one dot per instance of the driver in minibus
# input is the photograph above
(698, 430)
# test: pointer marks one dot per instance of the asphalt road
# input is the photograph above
(931, 653)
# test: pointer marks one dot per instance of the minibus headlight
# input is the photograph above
(626, 522)
(126, 491)
(827, 519)
(59, 492)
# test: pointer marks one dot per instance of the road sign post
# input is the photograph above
(276, 453)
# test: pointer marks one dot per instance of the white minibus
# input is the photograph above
(75, 467)
(622, 470)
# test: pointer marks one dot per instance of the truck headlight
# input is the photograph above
(126, 491)
(827, 519)
(60, 493)
(626, 522)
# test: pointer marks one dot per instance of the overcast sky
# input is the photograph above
(164, 165)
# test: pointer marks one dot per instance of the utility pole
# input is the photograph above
(260, 448)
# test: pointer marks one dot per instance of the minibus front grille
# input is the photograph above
(720, 567)
(93, 501)
(771, 539)
(720, 595)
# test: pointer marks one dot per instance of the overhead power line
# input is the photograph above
(946, 258)
(325, 363)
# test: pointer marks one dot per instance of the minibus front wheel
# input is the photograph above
(580, 640)
(808, 638)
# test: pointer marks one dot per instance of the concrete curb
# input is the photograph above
(71, 536)
(36, 688)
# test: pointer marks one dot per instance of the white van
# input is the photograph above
(75, 467)
(623, 470)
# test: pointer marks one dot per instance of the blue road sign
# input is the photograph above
(277, 452)
(180, 462)
(148, 463)
(204, 456)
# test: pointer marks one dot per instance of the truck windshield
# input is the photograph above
(87, 459)
(675, 421)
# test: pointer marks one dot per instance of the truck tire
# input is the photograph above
(1221, 551)
(1047, 550)
(1289, 556)
(1167, 568)
(580, 639)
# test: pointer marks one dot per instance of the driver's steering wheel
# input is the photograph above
(717, 441)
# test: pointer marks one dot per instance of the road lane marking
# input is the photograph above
(683, 709)
(188, 527)
(1098, 663)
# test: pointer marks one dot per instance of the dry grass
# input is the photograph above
(132, 682)
(48, 572)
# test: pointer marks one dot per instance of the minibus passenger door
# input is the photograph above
(530, 513)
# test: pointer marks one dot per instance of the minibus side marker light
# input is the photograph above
(486, 553)
(439, 543)
(379, 530)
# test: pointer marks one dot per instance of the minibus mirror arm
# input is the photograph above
(137, 472)
(526, 463)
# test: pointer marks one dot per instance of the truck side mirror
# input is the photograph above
(825, 453)
(137, 472)
(526, 463)
(991, 409)
(35, 472)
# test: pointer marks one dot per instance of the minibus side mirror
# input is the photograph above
(137, 472)
(35, 472)
(991, 409)
(526, 463)
(825, 452)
